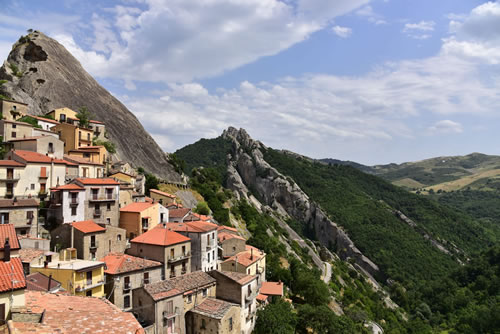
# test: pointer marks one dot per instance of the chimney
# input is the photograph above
(50, 281)
(164, 225)
(6, 251)
(251, 253)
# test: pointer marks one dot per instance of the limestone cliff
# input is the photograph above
(247, 170)
(49, 77)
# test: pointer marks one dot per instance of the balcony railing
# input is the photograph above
(73, 202)
(106, 198)
(94, 244)
(169, 314)
(179, 257)
(97, 213)
(145, 281)
(127, 286)
(14, 177)
(172, 274)
(88, 285)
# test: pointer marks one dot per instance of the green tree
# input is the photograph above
(202, 208)
(110, 146)
(84, 116)
(276, 318)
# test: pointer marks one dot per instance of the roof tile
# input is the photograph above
(88, 226)
(118, 263)
(12, 275)
(136, 207)
(8, 231)
(178, 285)
(161, 237)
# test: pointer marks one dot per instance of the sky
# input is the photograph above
(374, 82)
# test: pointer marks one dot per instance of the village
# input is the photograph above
(85, 248)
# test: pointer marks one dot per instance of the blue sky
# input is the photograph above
(370, 81)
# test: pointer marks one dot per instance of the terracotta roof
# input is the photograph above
(11, 163)
(195, 216)
(195, 227)
(29, 254)
(239, 278)
(94, 121)
(70, 186)
(261, 297)
(39, 282)
(88, 226)
(161, 193)
(179, 285)
(80, 160)
(12, 275)
(272, 288)
(118, 263)
(178, 213)
(160, 237)
(76, 315)
(213, 308)
(148, 199)
(91, 181)
(136, 207)
(222, 236)
(43, 119)
(35, 157)
(246, 258)
(8, 231)
(19, 202)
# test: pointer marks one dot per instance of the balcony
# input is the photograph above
(169, 314)
(127, 286)
(183, 271)
(180, 257)
(94, 245)
(106, 198)
(145, 281)
(249, 296)
(43, 176)
(89, 285)
(97, 213)
(210, 244)
(10, 177)
(73, 202)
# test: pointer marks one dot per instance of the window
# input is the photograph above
(92, 241)
(170, 307)
(4, 217)
(73, 211)
(88, 293)
(184, 250)
(126, 302)
(42, 187)
(205, 292)
(32, 186)
(248, 271)
(108, 221)
(95, 192)
(146, 278)
(126, 283)
(79, 135)
(109, 193)
(51, 148)
(190, 299)
(203, 324)
(230, 324)
(13, 134)
(119, 237)
(109, 246)
(108, 206)
(29, 216)
(208, 257)
(88, 137)
(14, 126)
(249, 288)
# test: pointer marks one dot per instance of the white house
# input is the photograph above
(67, 203)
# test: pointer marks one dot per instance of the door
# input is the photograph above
(10, 173)
(170, 326)
(89, 278)
(2, 314)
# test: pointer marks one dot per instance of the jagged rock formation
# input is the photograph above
(247, 169)
(49, 77)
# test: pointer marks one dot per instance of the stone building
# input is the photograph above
(13, 130)
(230, 244)
(12, 110)
(252, 261)
(46, 145)
(22, 213)
(214, 316)
(162, 197)
(124, 273)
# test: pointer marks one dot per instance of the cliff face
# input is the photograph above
(247, 170)
(53, 78)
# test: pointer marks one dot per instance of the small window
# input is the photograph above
(230, 324)
(108, 221)
(248, 271)
(146, 278)
(108, 207)
(205, 292)
(32, 186)
(190, 299)
(13, 135)
(73, 211)
(126, 302)
(14, 126)
(203, 324)
(119, 237)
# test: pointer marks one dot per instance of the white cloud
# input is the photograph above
(422, 26)
(445, 127)
(342, 32)
(369, 14)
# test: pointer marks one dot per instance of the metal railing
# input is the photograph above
(179, 257)
(89, 285)
(97, 213)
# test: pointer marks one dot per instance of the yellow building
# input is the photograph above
(74, 137)
(12, 110)
(79, 277)
(123, 177)
(139, 217)
(97, 154)
(62, 114)
(162, 197)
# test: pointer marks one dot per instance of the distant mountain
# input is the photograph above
(364, 168)
(47, 76)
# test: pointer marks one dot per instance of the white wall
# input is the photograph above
(163, 210)
(66, 208)
(212, 264)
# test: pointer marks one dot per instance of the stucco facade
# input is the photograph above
(67, 204)
(12, 110)
(14, 130)
(201, 321)
(73, 136)
(138, 218)
(46, 145)
(22, 213)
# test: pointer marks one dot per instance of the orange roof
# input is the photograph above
(261, 297)
(90, 147)
(12, 275)
(247, 257)
(136, 207)
(11, 163)
(161, 237)
(43, 119)
(92, 181)
(178, 213)
(227, 228)
(161, 193)
(272, 288)
(195, 226)
(70, 186)
(117, 263)
(35, 157)
(94, 121)
(148, 199)
(80, 160)
(29, 254)
(88, 226)
(222, 236)
(8, 231)
(67, 314)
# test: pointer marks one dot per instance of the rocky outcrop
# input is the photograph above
(42, 73)
(249, 173)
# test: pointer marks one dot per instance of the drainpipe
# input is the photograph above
(51, 172)
(72, 235)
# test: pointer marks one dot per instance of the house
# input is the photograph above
(32, 241)
(138, 218)
(125, 273)
(165, 303)
(62, 114)
(97, 154)
(40, 282)
(271, 290)
(44, 122)
(46, 145)
(78, 277)
(178, 214)
(123, 178)
(99, 129)
(59, 313)
(9, 243)
(13, 129)
(241, 289)
(101, 202)
(12, 110)
(73, 136)
(37, 132)
(165, 246)
(214, 316)
(12, 285)
(35, 257)
(91, 241)
(40, 174)
(22, 213)
(230, 244)
(252, 261)
(86, 168)
(122, 166)
(203, 237)
(67, 203)
(162, 197)
(10, 174)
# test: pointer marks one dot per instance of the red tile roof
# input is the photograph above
(70, 186)
(195, 227)
(178, 213)
(92, 181)
(11, 163)
(67, 314)
(148, 199)
(39, 282)
(239, 278)
(261, 297)
(222, 236)
(161, 237)
(136, 207)
(213, 308)
(29, 254)
(79, 160)
(179, 285)
(272, 288)
(18, 202)
(118, 263)
(88, 226)
(223, 227)
(12, 275)
(35, 157)
(94, 121)
(246, 258)
(162, 193)
(8, 231)
(43, 119)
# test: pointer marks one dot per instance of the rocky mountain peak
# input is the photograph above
(42, 73)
